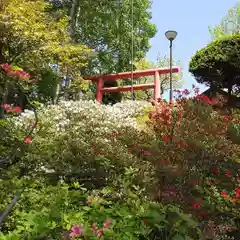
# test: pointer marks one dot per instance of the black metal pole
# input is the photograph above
(171, 92)
(132, 52)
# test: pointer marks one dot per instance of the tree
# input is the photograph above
(218, 63)
(229, 25)
(30, 34)
(164, 79)
(31, 37)
(107, 27)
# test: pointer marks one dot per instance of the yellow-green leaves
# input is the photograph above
(33, 37)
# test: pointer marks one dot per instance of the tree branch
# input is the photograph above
(10, 207)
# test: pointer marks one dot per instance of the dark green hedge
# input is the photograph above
(218, 63)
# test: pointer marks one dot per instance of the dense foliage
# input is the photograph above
(135, 170)
(218, 63)
(107, 27)
(230, 24)
(126, 168)
(34, 39)
(52, 41)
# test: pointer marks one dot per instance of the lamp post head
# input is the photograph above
(171, 35)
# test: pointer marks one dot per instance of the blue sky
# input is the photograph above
(190, 18)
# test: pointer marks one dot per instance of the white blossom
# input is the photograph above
(83, 116)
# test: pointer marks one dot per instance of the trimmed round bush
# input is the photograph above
(218, 63)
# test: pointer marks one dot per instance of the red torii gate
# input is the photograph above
(99, 80)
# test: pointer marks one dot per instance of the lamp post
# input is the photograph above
(171, 35)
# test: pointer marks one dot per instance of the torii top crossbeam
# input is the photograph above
(99, 79)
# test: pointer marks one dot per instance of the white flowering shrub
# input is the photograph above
(84, 139)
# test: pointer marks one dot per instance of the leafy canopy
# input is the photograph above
(107, 27)
(218, 63)
(230, 24)
(31, 37)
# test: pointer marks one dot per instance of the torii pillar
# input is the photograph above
(156, 72)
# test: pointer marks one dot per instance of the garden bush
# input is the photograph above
(47, 212)
(151, 164)
(217, 63)
(83, 140)
(197, 163)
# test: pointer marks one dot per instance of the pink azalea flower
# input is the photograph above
(100, 233)
(28, 140)
(107, 223)
(76, 231)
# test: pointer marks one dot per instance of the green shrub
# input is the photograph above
(84, 140)
(51, 212)
(196, 163)
(176, 160)
(218, 63)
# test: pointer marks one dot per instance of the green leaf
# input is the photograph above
(178, 237)
(68, 227)
(16, 68)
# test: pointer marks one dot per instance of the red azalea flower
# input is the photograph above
(179, 114)
(27, 140)
(224, 194)
(216, 171)
(196, 205)
(166, 138)
(228, 174)
(6, 67)
(227, 117)
(237, 192)
(17, 109)
(205, 99)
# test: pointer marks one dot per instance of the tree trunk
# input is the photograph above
(73, 16)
